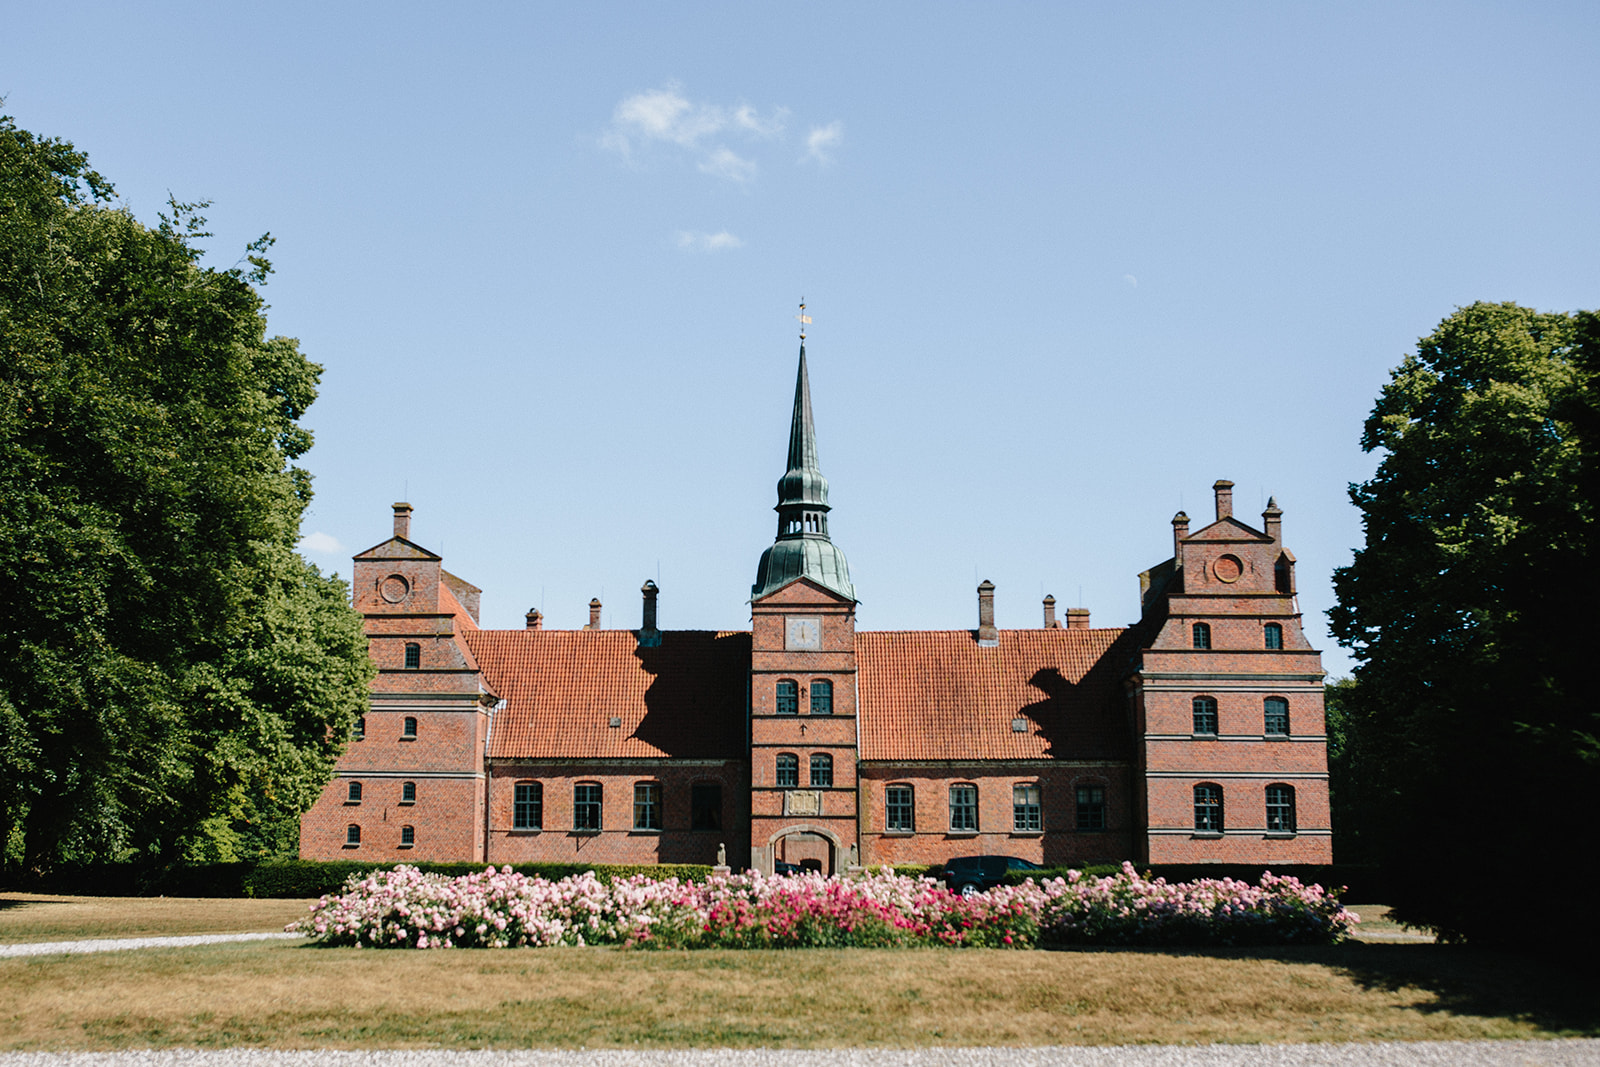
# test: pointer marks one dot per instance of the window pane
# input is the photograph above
(647, 806)
(408, 793)
(1205, 715)
(705, 806)
(822, 698)
(1208, 808)
(1280, 809)
(1025, 810)
(355, 792)
(586, 806)
(528, 806)
(821, 771)
(788, 698)
(1274, 635)
(898, 809)
(1276, 715)
(352, 834)
(359, 733)
(410, 728)
(1091, 807)
(788, 771)
(1202, 635)
(413, 656)
(408, 835)
(963, 807)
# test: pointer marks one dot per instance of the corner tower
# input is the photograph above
(803, 672)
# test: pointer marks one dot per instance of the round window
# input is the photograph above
(394, 588)
(1227, 568)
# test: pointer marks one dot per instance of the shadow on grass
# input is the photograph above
(1556, 995)
(13, 902)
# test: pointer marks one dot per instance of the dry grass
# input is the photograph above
(298, 996)
(29, 917)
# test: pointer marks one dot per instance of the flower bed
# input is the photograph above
(405, 908)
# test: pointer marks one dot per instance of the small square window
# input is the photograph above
(352, 835)
(354, 795)
(408, 836)
(408, 793)
(408, 730)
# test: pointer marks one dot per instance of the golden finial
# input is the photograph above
(805, 320)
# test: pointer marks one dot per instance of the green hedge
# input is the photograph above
(1365, 883)
(307, 878)
(1093, 870)
(910, 870)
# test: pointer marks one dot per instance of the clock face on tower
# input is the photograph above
(803, 634)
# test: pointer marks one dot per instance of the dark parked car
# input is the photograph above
(970, 874)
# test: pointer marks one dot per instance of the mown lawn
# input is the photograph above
(32, 917)
(279, 994)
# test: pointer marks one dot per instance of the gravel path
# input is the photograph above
(1578, 1053)
(117, 944)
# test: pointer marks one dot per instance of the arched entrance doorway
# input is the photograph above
(811, 848)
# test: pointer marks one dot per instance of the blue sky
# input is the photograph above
(1068, 265)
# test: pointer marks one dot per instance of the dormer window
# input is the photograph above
(1201, 633)
(1273, 633)
(413, 655)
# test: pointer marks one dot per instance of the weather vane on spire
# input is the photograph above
(805, 320)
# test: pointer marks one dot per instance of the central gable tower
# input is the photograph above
(803, 673)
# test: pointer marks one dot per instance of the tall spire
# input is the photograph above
(802, 548)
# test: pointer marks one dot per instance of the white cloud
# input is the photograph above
(725, 163)
(822, 140)
(708, 242)
(1131, 280)
(666, 117)
(320, 544)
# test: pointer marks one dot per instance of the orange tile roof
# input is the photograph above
(936, 695)
(685, 698)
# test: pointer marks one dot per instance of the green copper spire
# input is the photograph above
(802, 548)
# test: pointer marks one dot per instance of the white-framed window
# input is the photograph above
(408, 792)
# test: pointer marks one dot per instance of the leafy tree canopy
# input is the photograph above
(175, 682)
(1472, 733)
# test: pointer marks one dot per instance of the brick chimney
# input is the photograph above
(402, 520)
(1224, 490)
(1272, 521)
(1180, 530)
(988, 635)
(1077, 618)
(535, 619)
(649, 636)
(1050, 621)
(594, 614)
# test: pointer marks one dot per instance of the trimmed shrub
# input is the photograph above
(310, 878)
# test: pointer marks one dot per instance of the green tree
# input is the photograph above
(175, 682)
(1471, 613)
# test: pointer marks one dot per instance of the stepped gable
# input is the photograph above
(931, 695)
(684, 698)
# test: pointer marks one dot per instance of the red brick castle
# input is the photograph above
(1193, 736)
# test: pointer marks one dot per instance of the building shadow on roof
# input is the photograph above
(695, 703)
(1085, 719)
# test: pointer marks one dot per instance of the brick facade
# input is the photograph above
(1195, 735)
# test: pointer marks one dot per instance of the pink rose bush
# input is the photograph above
(405, 908)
